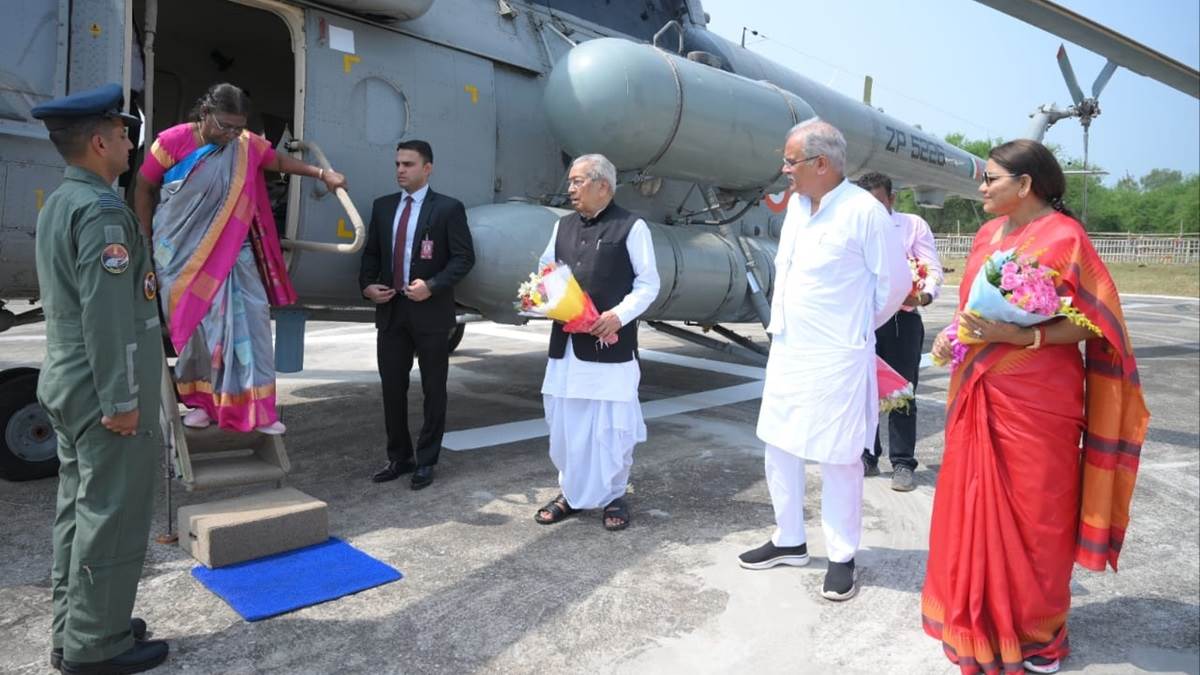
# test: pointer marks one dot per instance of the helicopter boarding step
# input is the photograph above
(212, 457)
(229, 531)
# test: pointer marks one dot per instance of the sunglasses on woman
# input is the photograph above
(989, 177)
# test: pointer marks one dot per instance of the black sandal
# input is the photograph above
(618, 511)
(558, 509)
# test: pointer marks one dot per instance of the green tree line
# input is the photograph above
(1163, 201)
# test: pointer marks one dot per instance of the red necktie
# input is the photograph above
(399, 250)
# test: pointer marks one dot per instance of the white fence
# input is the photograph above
(1115, 248)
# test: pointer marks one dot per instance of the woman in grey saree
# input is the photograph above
(218, 260)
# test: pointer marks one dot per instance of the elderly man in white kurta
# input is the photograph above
(590, 390)
(840, 273)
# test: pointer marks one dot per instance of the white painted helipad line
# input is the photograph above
(647, 354)
(511, 432)
(1136, 310)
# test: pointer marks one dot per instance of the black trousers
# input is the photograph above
(899, 342)
(395, 347)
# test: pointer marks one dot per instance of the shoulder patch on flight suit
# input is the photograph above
(114, 258)
(150, 286)
(109, 201)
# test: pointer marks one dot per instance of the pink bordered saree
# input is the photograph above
(220, 269)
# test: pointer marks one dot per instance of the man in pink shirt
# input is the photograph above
(899, 341)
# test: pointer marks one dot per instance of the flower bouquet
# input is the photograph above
(958, 349)
(922, 277)
(895, 392)
(1016, 289)
(553, 293)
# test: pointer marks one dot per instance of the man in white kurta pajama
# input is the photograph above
(590, 391)
(840, 273)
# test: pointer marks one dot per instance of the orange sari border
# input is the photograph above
(975, 654)
(161, 155)
(264, 392)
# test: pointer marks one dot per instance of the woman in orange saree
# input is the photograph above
(1042, 442)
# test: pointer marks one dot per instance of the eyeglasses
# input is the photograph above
(230, 129)
(989, 177)
(793, 163)
(577, 181)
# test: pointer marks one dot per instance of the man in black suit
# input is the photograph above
(413, 294)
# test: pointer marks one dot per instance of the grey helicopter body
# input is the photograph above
(478, 79)
(506, 91)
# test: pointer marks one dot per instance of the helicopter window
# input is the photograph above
(383, 109)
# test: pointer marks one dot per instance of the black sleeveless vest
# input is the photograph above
(595, 250)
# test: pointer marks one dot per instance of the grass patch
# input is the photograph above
(1181, 280)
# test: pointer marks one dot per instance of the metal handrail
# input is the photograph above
(662, 31)
(360, 231)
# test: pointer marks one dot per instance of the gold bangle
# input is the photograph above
(1037, 338)
(320, 174)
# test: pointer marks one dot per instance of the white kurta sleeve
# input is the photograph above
(887, 259)
(783, 262)
(548, 254)
(924, 249)
(645, 269)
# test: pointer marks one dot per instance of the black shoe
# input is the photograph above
(839, 581)
(392, 471)
(870, 468)
(137, 626)
(422, 477)
(141, 656)
(770, 555)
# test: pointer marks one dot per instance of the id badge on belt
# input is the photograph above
(427, 249)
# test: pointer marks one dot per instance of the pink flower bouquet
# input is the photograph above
(1016, 289)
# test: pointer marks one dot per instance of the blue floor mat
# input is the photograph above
(284, 582)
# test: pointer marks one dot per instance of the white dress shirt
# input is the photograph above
(918, 243)
(418, 198)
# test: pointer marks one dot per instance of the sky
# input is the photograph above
(959, 66)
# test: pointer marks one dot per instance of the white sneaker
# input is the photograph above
(197, 419)
(1041, 664)
(275, 428)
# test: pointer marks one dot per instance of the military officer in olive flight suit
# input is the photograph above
(100, 386)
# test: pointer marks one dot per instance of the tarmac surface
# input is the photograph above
(486, 589)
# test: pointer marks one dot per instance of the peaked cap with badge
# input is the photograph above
(103, 101)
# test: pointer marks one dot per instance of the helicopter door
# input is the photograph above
(248, 43)
(366, 89)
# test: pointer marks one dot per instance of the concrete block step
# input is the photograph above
(232, 469)
(229, 531)
(214, 439)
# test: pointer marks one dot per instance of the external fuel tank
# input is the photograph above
(649, 109)
(703, 273)
(645, 108)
